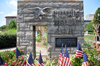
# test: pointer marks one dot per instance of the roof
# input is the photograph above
(51, 0)
(10, 16)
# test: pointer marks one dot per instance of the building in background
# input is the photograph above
(9, 18)
(88, 19)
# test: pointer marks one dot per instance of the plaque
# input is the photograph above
(69, 42)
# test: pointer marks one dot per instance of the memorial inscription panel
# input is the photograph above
(69, 42)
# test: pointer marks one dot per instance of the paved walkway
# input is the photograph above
(2, 50)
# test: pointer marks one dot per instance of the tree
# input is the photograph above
(12, 24)
(3, 27)
(95, 19)
(90, 27)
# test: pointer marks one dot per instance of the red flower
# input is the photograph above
(21, 58)
(14, 49)
(21, 50)
(13, 63)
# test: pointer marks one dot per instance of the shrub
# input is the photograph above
(90, 27)
(76, 61)
(44, 42)
(7, 40)
(12, 24)
(38, 38)
(3, 27)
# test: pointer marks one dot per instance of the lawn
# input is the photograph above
(89, 37)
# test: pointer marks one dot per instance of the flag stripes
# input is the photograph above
(60, 59)
(27, 64)
(79, 53)
(66, 62)
(85, 64)
(23, 64)
(42, 64)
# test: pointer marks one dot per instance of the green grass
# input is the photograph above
(89, 37)
(37, 52)
(9, 31)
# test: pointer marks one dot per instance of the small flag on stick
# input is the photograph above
(40, 61)
(66, 60)
(30, 61)
(79, 52)
(17, 53)
(85, 62)
(2, 62)
(61, 56)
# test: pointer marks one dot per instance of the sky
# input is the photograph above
(9, 8)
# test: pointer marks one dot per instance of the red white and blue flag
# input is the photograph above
(30, 61)
(60, 57)
(79, 52)
(85, 62)
(2, 62)
(66, 59)
(17, 55)
(40, 61)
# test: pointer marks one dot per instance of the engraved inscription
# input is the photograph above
(69, 42)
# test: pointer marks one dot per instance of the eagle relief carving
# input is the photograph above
(41, 13)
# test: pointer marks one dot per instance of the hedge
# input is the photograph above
(7, 40)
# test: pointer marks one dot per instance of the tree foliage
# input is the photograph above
(3, 27)
(96, 19)
(90, 27)
(12, 24)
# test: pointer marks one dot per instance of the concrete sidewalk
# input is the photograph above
(7, 49)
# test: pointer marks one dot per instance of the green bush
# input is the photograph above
(12, 24)
(90, 27)
(76, 61)
(90, 32)
(44, 42)
(7, 40)
(3, 27)
(38, 38)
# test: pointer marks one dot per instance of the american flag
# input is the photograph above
(79, 52)
(40, 61)
(66, 59)
(30, 61)
(85, 62)
(60, 56)
(2, 62)
(17, 54)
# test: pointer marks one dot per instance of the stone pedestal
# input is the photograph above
(64, 19)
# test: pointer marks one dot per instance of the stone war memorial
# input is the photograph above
(64, 20)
